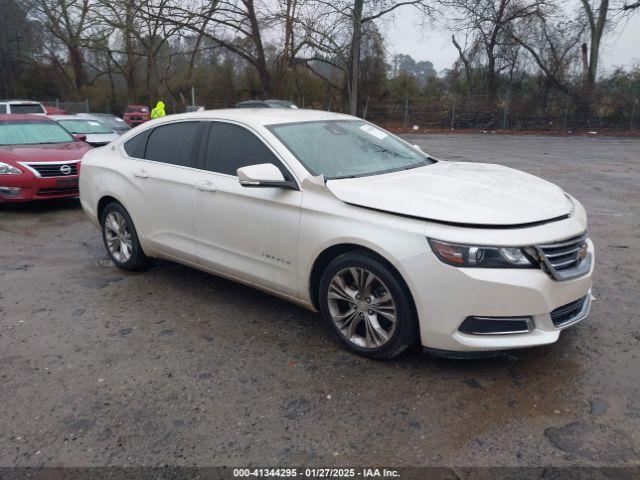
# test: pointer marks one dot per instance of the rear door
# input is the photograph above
(161, 191)
(250, 233)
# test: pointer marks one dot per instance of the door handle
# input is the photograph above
(206, 186)
(140, 173)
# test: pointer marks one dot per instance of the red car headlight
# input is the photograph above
(6, 169)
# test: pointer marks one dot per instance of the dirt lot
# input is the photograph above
(174, 366)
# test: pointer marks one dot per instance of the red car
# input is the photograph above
(136, 114)
(38, 159)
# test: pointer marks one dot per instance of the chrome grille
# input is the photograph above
(55, 169)
(565, 259)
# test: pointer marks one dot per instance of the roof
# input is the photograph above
(19, 101)
(22, 117)
(262, 116)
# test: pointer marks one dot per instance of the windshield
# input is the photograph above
(136, 110)
(347, 148)
(26, 108)
(32, 133)
(280, 104)
(114, 123)
(84, 126)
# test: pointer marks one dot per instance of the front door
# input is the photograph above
(249, 233)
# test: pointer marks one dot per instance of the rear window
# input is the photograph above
(26, 108)
(84, 126)
(32, 133)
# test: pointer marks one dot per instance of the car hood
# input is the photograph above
(53, 152)
(458, 192)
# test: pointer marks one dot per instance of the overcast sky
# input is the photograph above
(405, 35)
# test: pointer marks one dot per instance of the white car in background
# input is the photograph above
(392, 246)
(22, 107)
(96, 134)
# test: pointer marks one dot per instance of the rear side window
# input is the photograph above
(175, 143)
(231, 147)
(3, 109)
(135, 146)
(26, 108)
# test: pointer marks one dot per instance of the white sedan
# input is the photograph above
(90, 129)
(390, 245)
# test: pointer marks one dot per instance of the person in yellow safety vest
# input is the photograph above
(158, 111)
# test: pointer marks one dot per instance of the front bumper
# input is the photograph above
(38, 188)
(445, 296)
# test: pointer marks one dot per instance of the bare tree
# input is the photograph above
(233, 25)
(374, 11)
(487, 22)
(72, 24)
(553, 46)
(552, 42)
(597, 21)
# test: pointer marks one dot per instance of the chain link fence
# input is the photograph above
(506, 114)
(511, 113)
(67, 107)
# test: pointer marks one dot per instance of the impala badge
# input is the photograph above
(582, 253)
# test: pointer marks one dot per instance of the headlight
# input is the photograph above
(481, 256)
(6, 169)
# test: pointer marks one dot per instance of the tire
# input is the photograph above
(368, 305)
(124, 250)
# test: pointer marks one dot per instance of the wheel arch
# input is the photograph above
(108, 198)
(103, 202)
(328, 254)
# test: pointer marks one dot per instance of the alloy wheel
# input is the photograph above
(362, 307)
(118, 237)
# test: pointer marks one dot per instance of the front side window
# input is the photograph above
(32, 133)
(84, 126)
(26, 108)
(3, 109)
(347, 148)
(175, 143)
(231, 147)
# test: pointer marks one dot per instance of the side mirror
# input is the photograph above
(263, 175)
(81, 137)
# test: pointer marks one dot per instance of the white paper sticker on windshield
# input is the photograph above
(376, 132)
(95, 124)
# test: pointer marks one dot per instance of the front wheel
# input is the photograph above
(120, 238)
(368, 306)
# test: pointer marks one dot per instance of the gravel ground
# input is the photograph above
(174, 366)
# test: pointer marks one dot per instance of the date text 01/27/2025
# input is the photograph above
(338, 473)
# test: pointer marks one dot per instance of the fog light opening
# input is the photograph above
(10, 191)
(496, 325)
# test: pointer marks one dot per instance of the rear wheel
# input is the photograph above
(120, 238)
(368, 306)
